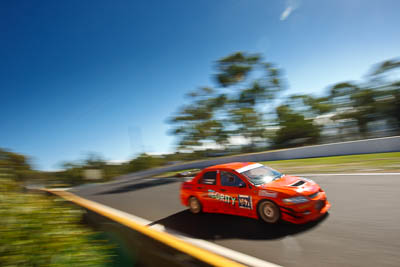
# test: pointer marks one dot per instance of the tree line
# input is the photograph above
(247, 101)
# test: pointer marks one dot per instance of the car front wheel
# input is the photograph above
(194, 205)
(268, 211)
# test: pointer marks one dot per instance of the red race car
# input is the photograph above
(256, 191)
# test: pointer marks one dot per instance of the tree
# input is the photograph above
(253, 83)
(364, 110)
(197, 122)
(377, 99)
(246, 87)
(235, 68)
(388, 104)
(294, 129)
(340, 94)
(94, 161)
(342, 98)
(15, 164)
(72, 174)
(385, 67)
(143, 162)
(236, 106)
(384, 80)
(354, 103)
(310, 106)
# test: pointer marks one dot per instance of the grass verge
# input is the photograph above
(378, 162)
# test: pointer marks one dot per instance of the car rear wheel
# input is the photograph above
(268, 211)
(194, 205)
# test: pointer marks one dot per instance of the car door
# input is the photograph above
(235, 194)
(207, 189)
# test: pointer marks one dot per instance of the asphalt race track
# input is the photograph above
(362, 228)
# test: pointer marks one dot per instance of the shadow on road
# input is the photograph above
(140, 185)
(212, 226)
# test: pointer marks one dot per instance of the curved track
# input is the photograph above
(362, 228)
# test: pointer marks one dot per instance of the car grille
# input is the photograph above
(313, 195)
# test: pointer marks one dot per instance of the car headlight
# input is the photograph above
(295, 200)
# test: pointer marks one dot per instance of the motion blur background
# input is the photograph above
(97, 89)
(132, 85)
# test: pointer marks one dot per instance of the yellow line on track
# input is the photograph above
(168, 239)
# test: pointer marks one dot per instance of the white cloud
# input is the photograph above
(286, 13)
(290, 6)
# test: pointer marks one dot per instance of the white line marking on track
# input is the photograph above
(347, 174)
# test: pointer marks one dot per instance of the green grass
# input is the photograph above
(378, 162)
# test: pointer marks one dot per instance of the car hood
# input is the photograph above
(293, 185)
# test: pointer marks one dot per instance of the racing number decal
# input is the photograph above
(245, 202)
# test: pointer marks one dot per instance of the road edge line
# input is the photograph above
(349, 174)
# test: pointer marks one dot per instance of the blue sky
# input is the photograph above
(75, 76)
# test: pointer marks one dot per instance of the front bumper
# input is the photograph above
(307, 212)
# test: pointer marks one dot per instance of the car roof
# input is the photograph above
(231, 165)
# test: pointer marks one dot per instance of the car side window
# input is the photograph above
(230, 179)
(209, 178)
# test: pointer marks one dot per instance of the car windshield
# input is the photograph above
(262, 175)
